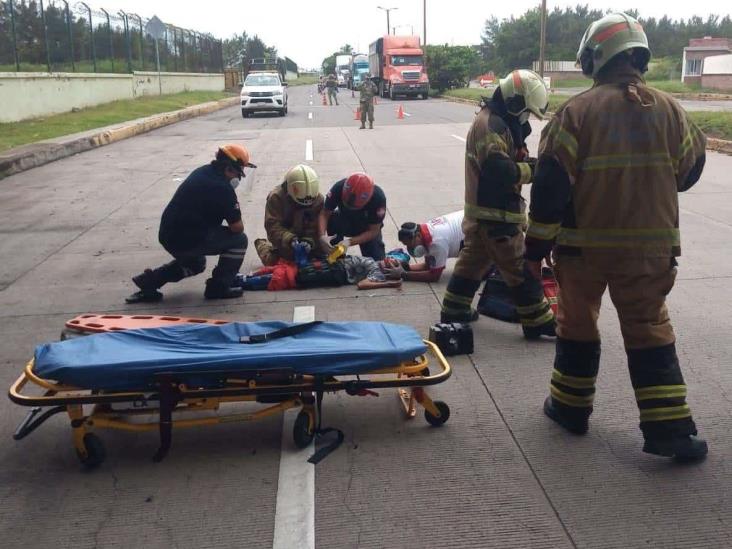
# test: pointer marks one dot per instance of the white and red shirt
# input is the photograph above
(443, 238)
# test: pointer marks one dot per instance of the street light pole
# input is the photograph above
(424, 22)
(542, 38)
(387, 10)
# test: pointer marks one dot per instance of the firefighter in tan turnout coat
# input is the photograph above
(605, 197)
(497, 165)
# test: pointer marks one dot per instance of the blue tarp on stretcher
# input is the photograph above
(130, 359)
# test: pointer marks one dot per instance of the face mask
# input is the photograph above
(418, 251)
(234, 182)
(523, 118)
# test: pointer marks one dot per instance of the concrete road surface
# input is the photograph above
(498, 474)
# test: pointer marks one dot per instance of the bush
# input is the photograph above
(664, 68)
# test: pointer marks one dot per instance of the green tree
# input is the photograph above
(451, 66)
(328, 64)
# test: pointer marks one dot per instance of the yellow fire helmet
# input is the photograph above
(302, 184)
(524, 91)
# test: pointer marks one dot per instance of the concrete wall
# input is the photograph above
(26, 95)
(146, 83)
(29, 94)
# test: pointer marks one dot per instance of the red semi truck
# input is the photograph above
(397, 66)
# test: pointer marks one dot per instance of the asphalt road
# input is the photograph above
(498, 474)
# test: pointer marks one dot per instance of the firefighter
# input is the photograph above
(353, 214)
(496, 166)
(190, 229)
(291, 217)
(607, 203)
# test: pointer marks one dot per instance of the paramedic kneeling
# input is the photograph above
(354, 213)
(436, 241)
(191, 229)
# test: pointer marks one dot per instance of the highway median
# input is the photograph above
(715, 124)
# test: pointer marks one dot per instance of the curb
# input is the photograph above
(37, 154)
(713, 144)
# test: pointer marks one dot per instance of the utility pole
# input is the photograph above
(542, 38)
(387, 10)
(424, 22)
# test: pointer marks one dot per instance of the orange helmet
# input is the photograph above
(235, 156)
(357, 190)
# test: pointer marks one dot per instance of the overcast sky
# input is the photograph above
(309, 30)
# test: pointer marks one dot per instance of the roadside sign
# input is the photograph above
(155, 28)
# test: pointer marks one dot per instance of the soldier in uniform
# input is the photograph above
(496, 166)
(291, 217)
(367, 90)
(331, 85)
(605, 198)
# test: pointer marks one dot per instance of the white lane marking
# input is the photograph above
(309, 149)
(310, 116)
(407, 114)
(311, 102)
(458, 138)
(295, 509)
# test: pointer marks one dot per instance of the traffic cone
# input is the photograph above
(376, 102)
(357, 115)
(400, 113)
(325, 103)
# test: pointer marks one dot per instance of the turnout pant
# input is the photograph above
(230, 248)
(367, 109)
(638, 287)
(350, 225)
(480, 251)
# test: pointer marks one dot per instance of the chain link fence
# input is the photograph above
(59, 36)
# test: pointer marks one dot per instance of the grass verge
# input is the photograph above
(474, 94)
(15, 134)
(305, 80)
(714, 124)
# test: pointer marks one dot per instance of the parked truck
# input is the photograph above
(343, 69)
(397, 65)
(359, 67)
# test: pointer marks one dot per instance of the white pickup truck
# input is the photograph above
(263, 91)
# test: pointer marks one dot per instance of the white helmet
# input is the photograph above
(524, 91)
(302, 184)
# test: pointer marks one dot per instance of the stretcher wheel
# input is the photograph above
(301, 432)
(444, 410)
(95, 452)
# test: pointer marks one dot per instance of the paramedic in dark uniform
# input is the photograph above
(191, 228)
(354, 214)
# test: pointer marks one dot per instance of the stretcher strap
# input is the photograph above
(277, 334)
(321, 454)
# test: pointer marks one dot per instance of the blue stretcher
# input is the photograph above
(161, 371)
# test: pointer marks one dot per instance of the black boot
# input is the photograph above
(148, 282)
(216, 289)
(577, 425)
(683, 448)
(535, 332)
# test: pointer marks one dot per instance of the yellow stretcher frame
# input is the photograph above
(167, 397)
